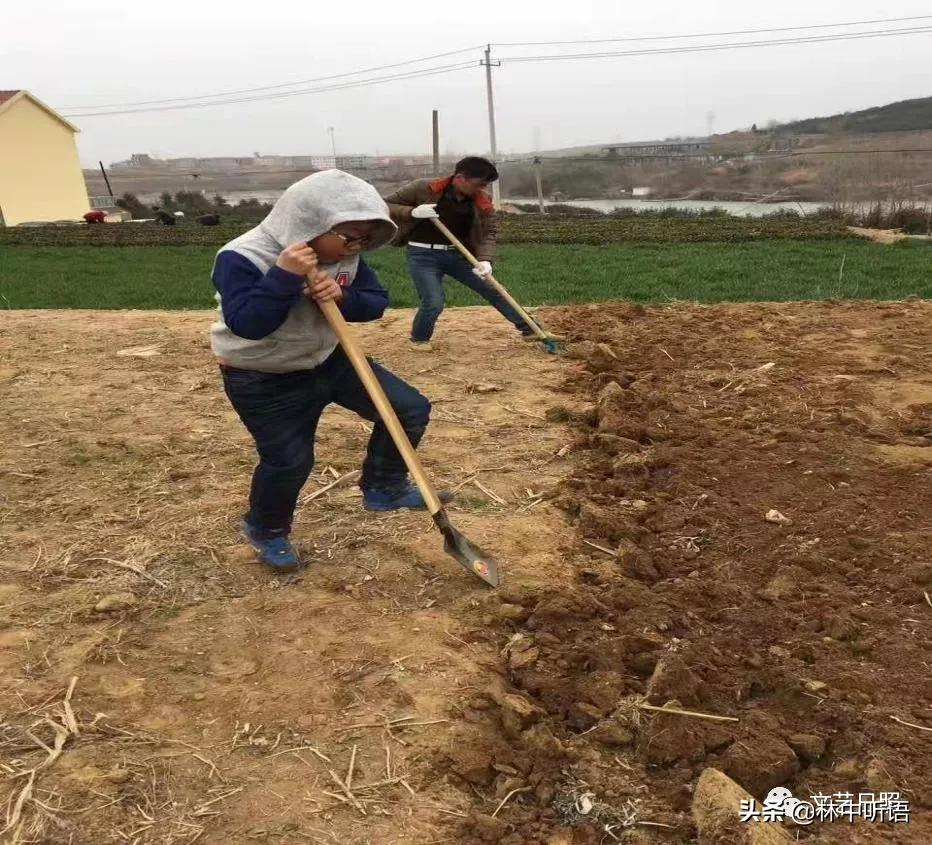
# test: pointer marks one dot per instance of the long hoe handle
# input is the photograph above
(492, 280)
(466, 554)
(380, 400)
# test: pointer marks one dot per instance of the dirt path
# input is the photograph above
(217, 704)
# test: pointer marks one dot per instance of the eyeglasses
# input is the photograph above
(350, 240)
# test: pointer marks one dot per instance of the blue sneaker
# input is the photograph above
(404, 495)
(276, 552)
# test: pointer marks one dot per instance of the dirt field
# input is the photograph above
(383, 696)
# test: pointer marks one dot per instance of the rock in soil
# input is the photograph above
(715, 811)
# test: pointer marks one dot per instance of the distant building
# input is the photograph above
(352, 162)
(40, 173)
(682, 148)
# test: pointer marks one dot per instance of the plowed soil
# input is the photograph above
(724, 510)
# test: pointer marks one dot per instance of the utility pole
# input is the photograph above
(436, 122)
(540, 189)
(333, 145)
(109, 189)
(496, 186)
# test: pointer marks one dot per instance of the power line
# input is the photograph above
(627, 159)
(85, 110)
(276, 86)
(711, 34)
(701, 48)
(365, 83)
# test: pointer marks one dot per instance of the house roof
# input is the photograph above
(11, 96)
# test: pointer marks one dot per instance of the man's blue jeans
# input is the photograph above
(281, 412)
(428, 267)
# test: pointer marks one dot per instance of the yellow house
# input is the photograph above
(40, 174)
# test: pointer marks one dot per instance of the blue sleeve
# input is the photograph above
(254, 305)
(365, 299)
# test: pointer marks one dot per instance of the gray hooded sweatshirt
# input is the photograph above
(307, 209)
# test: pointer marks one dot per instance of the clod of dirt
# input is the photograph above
(582, 716)
(118, 775)
(582, 350)
(665, 740)
(606, 351)
(115, 602)
(541, 742)
(613, 444)
(777, 518)
(471, 762)
(612, 392)
(784, 584)
(519, 660)
(922, 575)
(808, 747)
(877, 777)
(673, 679)
(483, 387)
(487, 829)
(848, 770)
(759, 763)
(518, 714)
(636, 563)
(715, 811)
(520, 652)
(566, 413)
(240, 555)
(841, 628)
(512, 612)
(614, 733)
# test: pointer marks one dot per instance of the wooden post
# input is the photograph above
(109, 189)
(436, 122)
(540, 189)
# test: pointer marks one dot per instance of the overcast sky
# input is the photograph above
(75, 55)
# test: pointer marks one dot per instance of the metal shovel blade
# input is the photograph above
(467, 555)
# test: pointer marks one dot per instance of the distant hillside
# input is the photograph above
(904, 116)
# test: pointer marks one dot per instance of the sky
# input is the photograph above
(73, 56)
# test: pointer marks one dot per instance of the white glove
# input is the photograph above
(425, 212)
(483, 269)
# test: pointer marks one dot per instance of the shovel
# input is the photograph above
(551, 343)
(455, 544)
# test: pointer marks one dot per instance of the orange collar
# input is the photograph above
(481, 199)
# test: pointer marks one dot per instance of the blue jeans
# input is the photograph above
(281, 412)
(428, 267)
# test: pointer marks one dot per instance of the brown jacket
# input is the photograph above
(484, 234)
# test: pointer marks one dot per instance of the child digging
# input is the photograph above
(281, 362)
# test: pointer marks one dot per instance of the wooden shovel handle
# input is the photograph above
(490, 279)
(364, 370)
